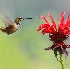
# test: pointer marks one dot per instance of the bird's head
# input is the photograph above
(18, 20)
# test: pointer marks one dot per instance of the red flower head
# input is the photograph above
(57, 35)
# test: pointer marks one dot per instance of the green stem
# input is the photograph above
(61, 61)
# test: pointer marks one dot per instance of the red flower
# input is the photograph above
(57, 35)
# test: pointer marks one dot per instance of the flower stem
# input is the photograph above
(61, 61)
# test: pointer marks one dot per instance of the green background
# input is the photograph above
(25, 48)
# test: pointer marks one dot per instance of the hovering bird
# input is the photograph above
(11, 27)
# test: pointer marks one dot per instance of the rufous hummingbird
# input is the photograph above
(11, 27)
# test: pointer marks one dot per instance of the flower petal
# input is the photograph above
(49, 48)
(44, 18)
(53, 22)
(47, 27)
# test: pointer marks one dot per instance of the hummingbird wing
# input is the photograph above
(7, 21)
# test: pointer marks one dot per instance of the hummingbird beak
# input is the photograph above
(27, 18)
(21, 19)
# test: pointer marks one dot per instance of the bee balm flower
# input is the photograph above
(57, 35)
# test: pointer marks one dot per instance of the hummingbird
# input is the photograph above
(11, 27)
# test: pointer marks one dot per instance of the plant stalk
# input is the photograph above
(61, 61)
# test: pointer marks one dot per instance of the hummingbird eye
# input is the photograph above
(20, 19)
